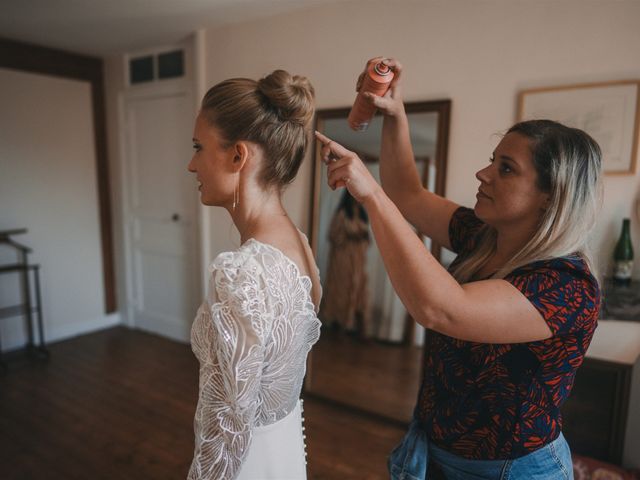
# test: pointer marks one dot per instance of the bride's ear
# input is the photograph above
(240, 154)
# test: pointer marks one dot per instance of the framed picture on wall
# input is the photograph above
(609, 112)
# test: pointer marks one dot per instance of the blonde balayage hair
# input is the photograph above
(568, 163)
(273, 112)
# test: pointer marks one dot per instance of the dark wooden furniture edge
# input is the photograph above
(36, 59)
(622, 376)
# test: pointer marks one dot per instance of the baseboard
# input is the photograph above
(63, 332)
(16, 338)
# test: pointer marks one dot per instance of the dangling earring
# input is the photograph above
(236, 194)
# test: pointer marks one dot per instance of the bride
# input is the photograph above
(253, 332)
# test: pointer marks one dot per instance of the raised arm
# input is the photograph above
(427, 212)
(490, 311)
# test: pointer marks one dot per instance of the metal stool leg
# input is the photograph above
(26, 296)
(42, 350)
(3, 365)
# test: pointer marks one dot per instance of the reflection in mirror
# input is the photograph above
(369, 354)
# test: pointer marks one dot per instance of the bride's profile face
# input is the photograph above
(211, 163)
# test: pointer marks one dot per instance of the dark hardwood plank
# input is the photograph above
(342, 444)
(377, 377)
(119, 404)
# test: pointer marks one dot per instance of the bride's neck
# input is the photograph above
(255, 210)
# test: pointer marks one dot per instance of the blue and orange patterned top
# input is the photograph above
(502, 401)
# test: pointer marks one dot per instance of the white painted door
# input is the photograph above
(161, 213)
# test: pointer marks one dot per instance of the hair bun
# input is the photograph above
(291, 95)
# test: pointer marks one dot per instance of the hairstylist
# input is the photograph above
(511, 319)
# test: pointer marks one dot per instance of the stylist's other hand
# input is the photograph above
(391, 103)
(345, 169)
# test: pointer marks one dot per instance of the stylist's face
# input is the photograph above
(508, 194)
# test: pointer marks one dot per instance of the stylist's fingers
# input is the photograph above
(322, 138)
(396, 66)
(341, 163)
(389, 104)
(341, 170)
(333, 180)
(325, 150)
(338, 159)
(345, 168)
(359, 82)
(351, 173)
(325, 153)
(377, 101)
(331, 153)
(331, 148)
(341, 176)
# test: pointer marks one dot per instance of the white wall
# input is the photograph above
(48, 185)
(477, 53)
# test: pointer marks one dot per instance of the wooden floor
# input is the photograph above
(379, 377)
(119, 405)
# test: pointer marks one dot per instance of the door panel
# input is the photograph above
(162, 214)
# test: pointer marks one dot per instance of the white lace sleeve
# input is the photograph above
(228, 339)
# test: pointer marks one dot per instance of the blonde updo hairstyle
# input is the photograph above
(273, 112)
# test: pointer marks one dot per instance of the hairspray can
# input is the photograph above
(377, 78)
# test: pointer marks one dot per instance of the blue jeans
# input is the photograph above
(410, 461)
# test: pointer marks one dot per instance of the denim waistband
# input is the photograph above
(416, 455)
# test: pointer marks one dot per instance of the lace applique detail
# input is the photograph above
(251, 337)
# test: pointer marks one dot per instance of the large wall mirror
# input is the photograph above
(369, 355)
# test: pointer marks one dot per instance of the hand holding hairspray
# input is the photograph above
(376, 79)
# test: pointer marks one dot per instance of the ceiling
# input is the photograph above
(103, 27)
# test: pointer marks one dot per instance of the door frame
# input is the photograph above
(188, 84)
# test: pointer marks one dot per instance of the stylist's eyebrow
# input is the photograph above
(195, 139)
(510, 160)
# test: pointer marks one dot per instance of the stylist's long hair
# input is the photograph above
(568, 164)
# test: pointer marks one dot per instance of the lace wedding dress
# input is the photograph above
(251, 336)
